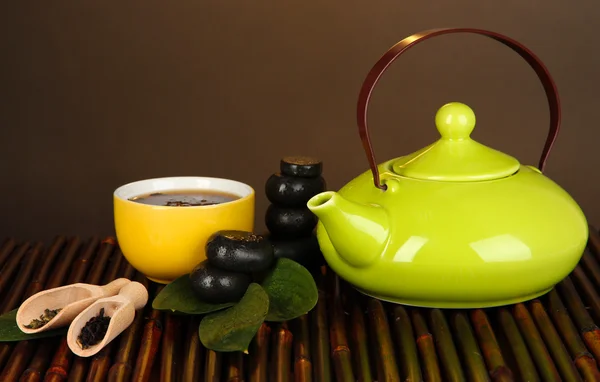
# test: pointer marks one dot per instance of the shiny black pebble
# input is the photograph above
(304, 167)
(239, 251)
(218, 286)
(290, 222)
(289, 191)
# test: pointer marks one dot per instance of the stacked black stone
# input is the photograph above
(290, 223)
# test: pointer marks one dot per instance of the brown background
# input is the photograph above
(94, 94)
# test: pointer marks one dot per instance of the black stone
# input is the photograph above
(290, 191)
(218, 286)
(290, 222)
(304, 167)
(239, 251)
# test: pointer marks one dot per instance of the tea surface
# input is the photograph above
(185, 198)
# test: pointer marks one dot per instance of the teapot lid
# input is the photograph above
(456, 156)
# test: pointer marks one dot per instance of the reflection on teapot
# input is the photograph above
(456, 224)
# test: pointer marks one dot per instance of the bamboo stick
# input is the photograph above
(122, 368)
(320, 340)
(212, 370)
(8, 270)
(5, 351)
(282, 354)
(235, 367)
(79, 268)
(553, 342)
(519, 349)
(591, 267)
(562, 325)
(18, 361)
(57, 277)
(60, 274)
(98, 368)
(6, 249)
(467, 345)
(445, 346)
(38, 365)
(259, 355)
(583, 359)
(23, 350)
(575, 304)
(106, 250)
(496, 365)
(127, 271)
(587, 291)
(377, 369)
(340, 350)
(61, 362)
(100, 364)
(594, 241)
(194, 352)
(32, 260)
(39, 281)
(5, 276)
(168, 354)
(535, 343)
(586, 325)
(383, 342)
(302, 357)
(151, 337)
(114, 270)
(360, 344)
(405, 338)
(431, 368)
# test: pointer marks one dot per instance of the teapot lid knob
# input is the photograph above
(455, 120)
(456, 157)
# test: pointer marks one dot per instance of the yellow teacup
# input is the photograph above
(165, 242)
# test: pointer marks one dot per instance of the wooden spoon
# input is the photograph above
(71, 299)
(121, 310)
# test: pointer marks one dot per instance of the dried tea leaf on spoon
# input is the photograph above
(45, 317)
(10, 332)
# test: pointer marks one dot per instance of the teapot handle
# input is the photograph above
(395, 51)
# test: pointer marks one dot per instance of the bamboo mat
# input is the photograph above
(347, 337)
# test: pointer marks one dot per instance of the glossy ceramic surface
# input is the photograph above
(164, 243)
(478, 234)
(455, 156)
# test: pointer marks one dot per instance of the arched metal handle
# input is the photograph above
(394, 52)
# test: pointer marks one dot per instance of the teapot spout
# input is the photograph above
(358, 232)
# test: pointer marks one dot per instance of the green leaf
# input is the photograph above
(292, 291)
(9, 331)
(233, 329)
(178, 296)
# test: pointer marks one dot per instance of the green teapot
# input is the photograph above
(456, 224)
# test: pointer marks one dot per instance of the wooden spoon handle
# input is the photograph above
(136, 293)
(113, 288)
